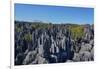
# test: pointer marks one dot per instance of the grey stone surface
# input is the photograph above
(54, 45)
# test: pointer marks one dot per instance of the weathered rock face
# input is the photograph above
(35, 45)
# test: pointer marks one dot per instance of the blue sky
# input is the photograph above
(54, 14)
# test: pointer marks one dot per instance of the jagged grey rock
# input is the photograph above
(52, 45)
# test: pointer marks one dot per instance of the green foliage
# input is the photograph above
(28, 37)
(41, 26)
(77, 31)
(18, 29)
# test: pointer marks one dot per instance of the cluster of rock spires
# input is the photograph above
(51, 45)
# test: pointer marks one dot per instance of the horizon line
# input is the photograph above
(45, 22)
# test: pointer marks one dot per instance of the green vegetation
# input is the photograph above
(28, 37)
(18, 29)
(77, 31)
(41, 25)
